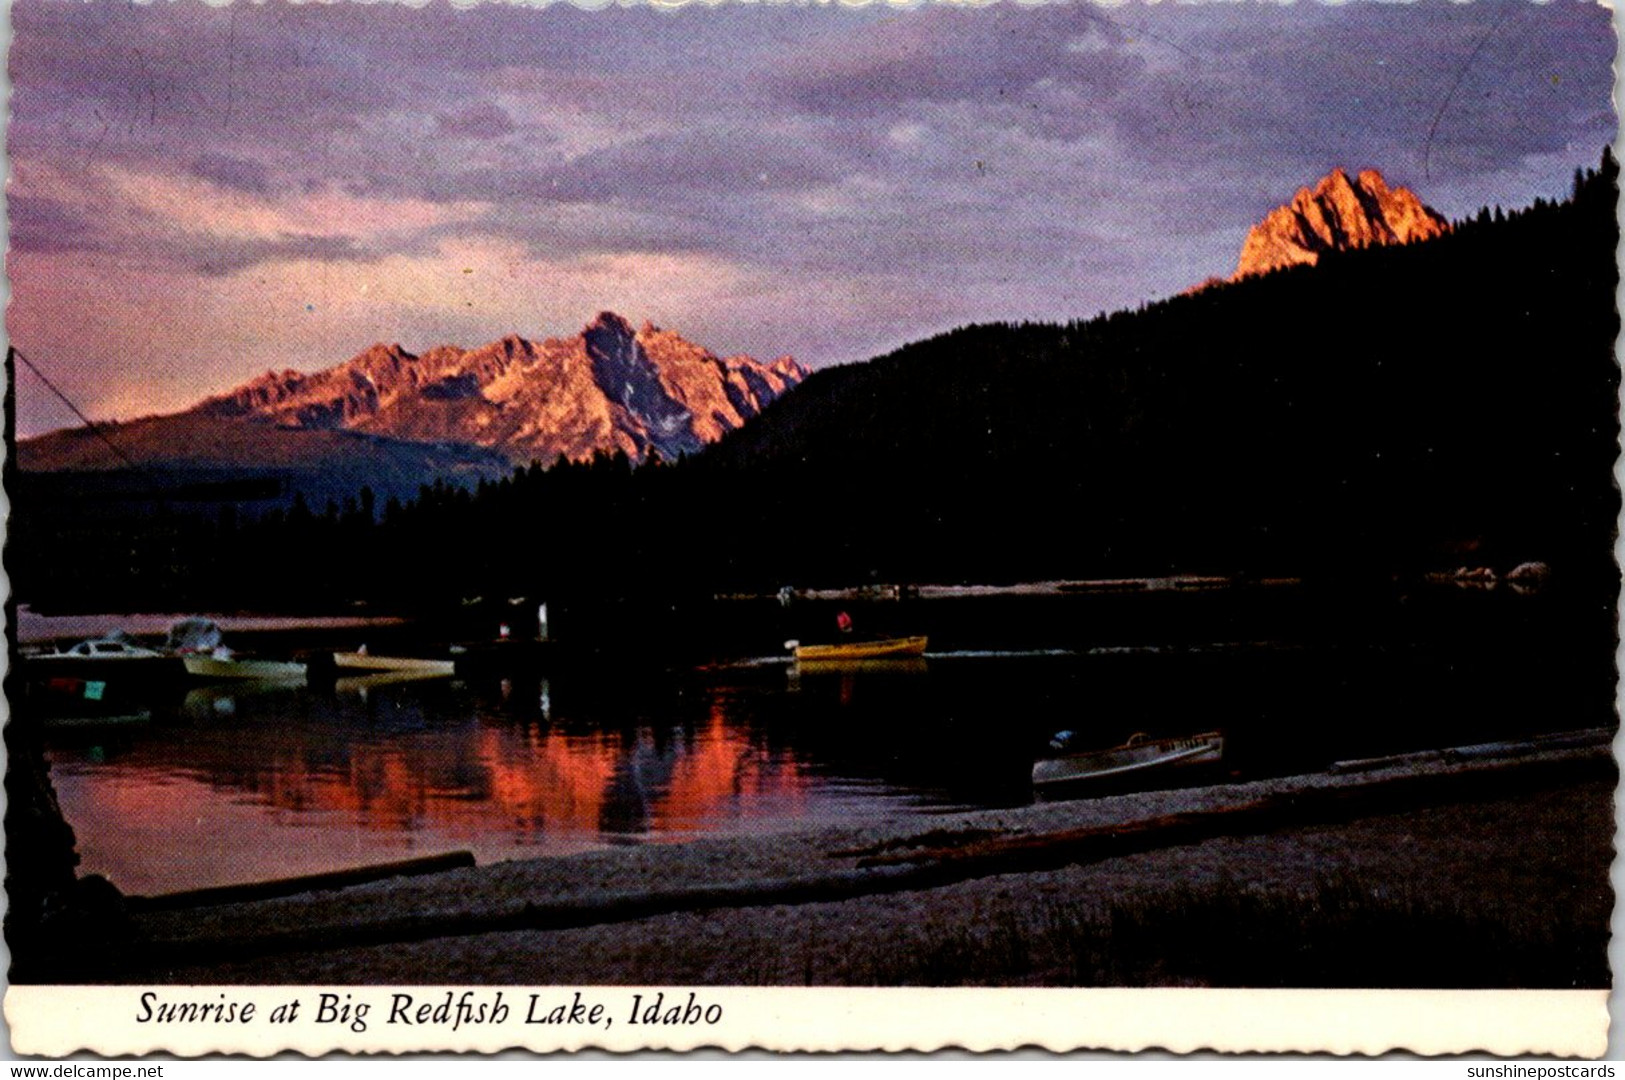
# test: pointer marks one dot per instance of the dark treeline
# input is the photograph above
(1385, 411)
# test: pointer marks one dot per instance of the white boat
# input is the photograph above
(107, 658)
(232, 667)
(363, 661)
(108, 649)
(1138, 754)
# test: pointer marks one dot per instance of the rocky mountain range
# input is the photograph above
(1339, 214)
(451, 412)
(609, 388)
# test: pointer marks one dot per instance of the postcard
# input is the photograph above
(811, 526)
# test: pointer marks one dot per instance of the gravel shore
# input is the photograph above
(1504, 854)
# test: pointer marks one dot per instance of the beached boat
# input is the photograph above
(363, 661)
(1139, 754)
(860, 650)
(232, 667)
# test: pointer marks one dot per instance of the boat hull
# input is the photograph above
(207, 667)
(368, 662)
(144, 670)
(1152, 755)
(862, 650)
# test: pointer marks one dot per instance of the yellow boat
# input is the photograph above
(862, 650)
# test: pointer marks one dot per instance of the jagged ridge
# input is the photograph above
(607, 388)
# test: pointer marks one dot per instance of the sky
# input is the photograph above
(201, 193)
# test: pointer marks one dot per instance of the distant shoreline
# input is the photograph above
(33, 627)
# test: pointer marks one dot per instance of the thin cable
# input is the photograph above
(1461, 73)
(89, 423)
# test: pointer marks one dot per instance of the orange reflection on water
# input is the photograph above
(559, 781)
(491, 786)
(720, 766)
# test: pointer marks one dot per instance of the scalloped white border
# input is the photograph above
(57, 1021)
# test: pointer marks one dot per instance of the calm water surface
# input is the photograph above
(229, 785)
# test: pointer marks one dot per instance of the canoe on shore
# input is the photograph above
(862, 650)
(1137, 755)
(359, 661)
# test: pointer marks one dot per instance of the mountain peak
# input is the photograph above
(1333, 181)
(609, 322)
(1338, 214)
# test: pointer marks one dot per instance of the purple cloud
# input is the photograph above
(481, 120)
(239, 174)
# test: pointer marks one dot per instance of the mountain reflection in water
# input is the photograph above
(296, 781)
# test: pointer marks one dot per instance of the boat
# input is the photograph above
(232, 667)
(1140, 753)
(197, 641)
(365, 661)
(881, 665)
(884, 648)
(112, 658)
(111, 649)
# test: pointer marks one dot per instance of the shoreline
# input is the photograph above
(821, 901)
(35, 628)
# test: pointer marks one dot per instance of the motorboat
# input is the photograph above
(111, 658)
(108, 649)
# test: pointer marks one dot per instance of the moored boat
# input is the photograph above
(232, 667)
(884, 648)
(364, 661)
(1139, 754)
(112, 659)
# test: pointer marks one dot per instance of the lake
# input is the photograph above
(714, 732)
